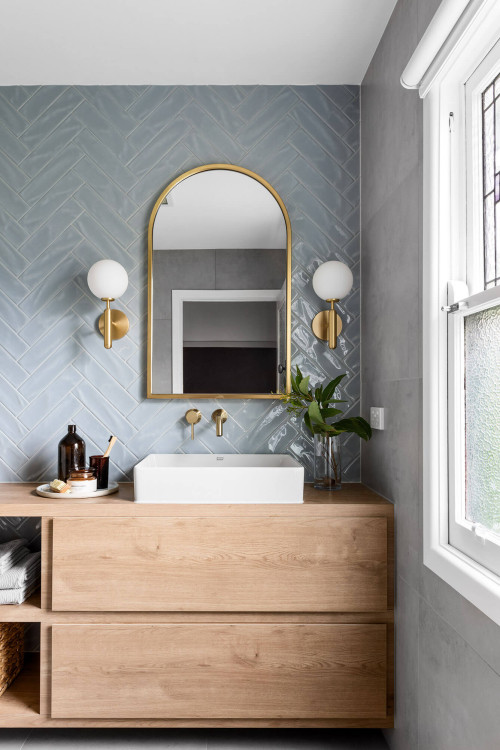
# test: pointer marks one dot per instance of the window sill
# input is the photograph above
(474, 582)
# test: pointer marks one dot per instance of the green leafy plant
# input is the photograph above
(316, 407)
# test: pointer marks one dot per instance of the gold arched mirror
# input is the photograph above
(219, 287)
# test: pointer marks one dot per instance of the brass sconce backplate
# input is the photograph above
(119, 324)
(319, 324)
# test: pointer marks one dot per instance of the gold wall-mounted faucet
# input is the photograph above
(219, 416)
(192, 417)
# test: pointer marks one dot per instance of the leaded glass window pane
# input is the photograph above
(482, 418)
(491, 183)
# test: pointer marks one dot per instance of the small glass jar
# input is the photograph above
(82, 481)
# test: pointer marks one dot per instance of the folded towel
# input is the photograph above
(22, 573)
(18, 596)
(11, 552)
(18, 555)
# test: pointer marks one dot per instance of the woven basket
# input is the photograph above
(11, 652)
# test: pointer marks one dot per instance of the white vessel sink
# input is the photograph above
(250, 478)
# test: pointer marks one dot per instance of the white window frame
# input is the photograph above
(454, 48)
(473, 539)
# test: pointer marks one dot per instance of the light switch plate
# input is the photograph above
(377, 417)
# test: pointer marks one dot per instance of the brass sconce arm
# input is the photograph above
(113, 324)
(327, 324)
(333, 320)
(107, 323)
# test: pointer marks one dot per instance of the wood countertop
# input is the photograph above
(20, 499)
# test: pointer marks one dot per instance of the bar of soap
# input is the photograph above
(57, 485)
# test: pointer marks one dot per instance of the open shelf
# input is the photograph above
(22, 698)
(28, 611)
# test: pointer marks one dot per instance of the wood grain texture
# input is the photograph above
(218, 671)
(21, 699)
(330, 618)
(19, 705)
(28, 611)
(20, 499)
(34, 720)
(46, 573)
(390, 561)
(390, 670)
(223, 564)
(45, 668)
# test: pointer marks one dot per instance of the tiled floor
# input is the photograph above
(167, 739)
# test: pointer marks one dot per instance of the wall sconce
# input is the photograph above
(108, 280)
(331, 281)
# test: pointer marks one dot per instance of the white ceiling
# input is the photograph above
(189, 41)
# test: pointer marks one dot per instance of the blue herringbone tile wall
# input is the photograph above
(80, 168)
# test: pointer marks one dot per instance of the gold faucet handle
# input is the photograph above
(192, 417)
(219, 416)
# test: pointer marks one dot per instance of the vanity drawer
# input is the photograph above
(218, 671)
(273, 564)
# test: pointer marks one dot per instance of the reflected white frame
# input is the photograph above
(179, 296)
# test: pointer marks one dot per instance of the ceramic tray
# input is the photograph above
(45, 491)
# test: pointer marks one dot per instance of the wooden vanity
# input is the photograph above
(208, 615)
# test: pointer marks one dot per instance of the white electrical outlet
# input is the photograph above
(377, 417)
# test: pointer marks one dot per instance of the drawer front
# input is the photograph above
(218, 671)
(221, 564)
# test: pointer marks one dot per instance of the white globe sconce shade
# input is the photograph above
(332, 281)
(108, 280)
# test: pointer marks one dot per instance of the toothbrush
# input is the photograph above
(112, 441)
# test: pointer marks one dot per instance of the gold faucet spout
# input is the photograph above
(219, 416)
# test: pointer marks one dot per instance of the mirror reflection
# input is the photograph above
(219, 273)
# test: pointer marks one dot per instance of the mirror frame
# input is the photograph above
(158, 203)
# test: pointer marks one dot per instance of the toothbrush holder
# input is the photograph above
(101, 466)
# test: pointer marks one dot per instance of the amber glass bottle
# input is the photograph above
(71, 453)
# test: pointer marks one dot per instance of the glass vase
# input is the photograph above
(327, 474)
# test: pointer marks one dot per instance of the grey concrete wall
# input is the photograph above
(447, 652)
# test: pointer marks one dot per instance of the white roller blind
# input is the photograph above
(452, 20)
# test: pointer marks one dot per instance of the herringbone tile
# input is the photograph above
(80, 168)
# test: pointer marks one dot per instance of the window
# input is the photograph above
(456, 68)
(490, 121)
(474, 329)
